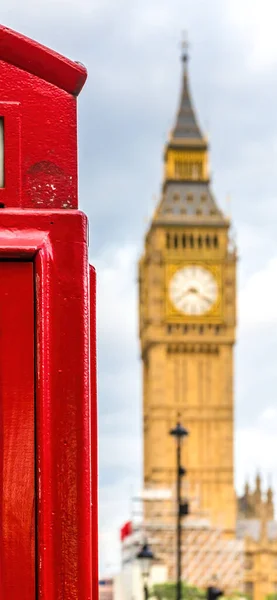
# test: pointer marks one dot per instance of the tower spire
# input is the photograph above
(186, 126)
(186, 195)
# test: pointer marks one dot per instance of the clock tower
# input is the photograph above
(187, 300)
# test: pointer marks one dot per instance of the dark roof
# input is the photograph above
(26, 54)
(186, 126)
(185, 202)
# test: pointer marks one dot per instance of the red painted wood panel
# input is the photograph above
(66, 431)
(94, 433)
(17, 441)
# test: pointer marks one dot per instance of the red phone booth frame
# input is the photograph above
(46, 238)
(55, 241)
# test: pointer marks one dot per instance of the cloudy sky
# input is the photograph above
(131, 49)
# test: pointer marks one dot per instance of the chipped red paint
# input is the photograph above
(40, 226)
(38, 104)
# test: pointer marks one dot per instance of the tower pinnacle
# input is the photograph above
(185, 47)
(186, 126)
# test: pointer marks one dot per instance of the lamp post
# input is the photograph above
(145, 557)
(179, 432)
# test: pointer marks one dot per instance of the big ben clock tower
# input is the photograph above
(187, 296)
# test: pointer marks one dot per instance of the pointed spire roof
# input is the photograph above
(246, 488)
(258, 482)
(186, 126)
(269, 495)
(186, 197)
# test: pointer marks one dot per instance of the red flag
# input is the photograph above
(125, 530)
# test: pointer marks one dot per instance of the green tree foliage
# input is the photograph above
(167, 591)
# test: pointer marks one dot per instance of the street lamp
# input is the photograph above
(145, 557)
(179, 432)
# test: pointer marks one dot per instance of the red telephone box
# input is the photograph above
(48, 464)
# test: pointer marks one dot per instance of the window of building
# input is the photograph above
(188, 170)
(182, 169)
(248, 588)
(196, 170)
(248, 562)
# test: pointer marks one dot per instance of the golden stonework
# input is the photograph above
(191, 165)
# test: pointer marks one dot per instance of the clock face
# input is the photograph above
(193, 290)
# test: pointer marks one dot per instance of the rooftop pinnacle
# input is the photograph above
(186, 126)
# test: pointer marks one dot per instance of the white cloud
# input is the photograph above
(256, 450)
(116, 294)
(255, 22)
(258, 298)
(123, 450)
(114, 510)
(270, 414)
(119, 396)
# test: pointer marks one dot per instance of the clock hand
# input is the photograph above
(207, 298)
(183, 294)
